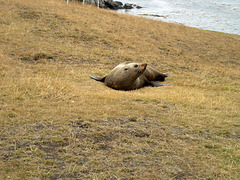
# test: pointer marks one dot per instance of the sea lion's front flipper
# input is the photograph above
(165, 74)
(98, 78)
(156, 84)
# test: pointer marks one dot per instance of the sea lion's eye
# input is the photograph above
(136, 66)
(125, 69)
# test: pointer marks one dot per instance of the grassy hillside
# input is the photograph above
(55, 122)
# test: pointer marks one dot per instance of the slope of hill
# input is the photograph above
(56, 122)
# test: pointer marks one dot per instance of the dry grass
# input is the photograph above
(56, 122)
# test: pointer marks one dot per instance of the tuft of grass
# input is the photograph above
(55, 122)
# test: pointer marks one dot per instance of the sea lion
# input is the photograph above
(130, 76)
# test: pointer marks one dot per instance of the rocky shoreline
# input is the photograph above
(110, 4)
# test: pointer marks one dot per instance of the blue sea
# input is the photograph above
(214, 15)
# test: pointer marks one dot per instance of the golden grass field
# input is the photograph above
(57, 123)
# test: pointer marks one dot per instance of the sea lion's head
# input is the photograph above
(133, 69)
(124, 75)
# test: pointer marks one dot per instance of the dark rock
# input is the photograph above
(128, 6)
(110, 4)
(138, 7)
(113, 4)
(119, 3)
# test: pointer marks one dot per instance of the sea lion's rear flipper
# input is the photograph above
(98, 78)
(161, 77)
(165, 74)
(156, 84)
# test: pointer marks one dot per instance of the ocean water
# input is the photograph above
(214, 15)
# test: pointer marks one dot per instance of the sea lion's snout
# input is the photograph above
(144, 65)
(142, 68)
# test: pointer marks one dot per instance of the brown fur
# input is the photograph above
(130, 76)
